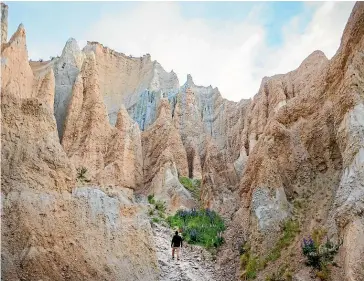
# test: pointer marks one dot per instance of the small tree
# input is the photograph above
(151, 199)
(81, 175)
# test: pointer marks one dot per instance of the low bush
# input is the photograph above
(203, 227)
(151, 212)
(319, 256)
(156, 220)
(248, 263)
(151, 199)
(160, 206)
(192, 185)
(157, 210)
(81, 175)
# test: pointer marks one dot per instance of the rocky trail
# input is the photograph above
(195, 264)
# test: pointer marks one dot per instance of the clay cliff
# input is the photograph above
(304, 138)
(52, 227)
(87, 136)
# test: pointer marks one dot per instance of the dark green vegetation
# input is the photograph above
(81, 175)
(202, 227)
(158, 209)
(320, 255)
(249, 263)
(192, 185)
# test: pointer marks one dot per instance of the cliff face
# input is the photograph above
(53, 228)
(300, 150)
(165, 159)
(293, 151)
(4, 23)
(112, 155)
(138, 83)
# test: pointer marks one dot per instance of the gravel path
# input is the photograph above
(195, 264)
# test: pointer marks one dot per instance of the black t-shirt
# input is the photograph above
(176, 241)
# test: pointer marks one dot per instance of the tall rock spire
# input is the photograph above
(66, 70)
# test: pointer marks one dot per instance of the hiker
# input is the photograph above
(176, 244)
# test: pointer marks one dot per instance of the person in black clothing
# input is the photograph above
(176, 244)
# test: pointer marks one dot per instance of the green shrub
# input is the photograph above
(319, 255)
(251, 268)
(324, 273)
(203, 227)
(249, 263)
(151, 212)
(161, 215)
(192, 185)
(156, 220)
(160, 206)
(151, 199)
(81, 175)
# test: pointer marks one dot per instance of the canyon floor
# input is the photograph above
(195, 264)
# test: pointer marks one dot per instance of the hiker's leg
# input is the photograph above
(177, 253)
(173, 252)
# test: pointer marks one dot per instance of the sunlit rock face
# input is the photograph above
(54, 228)
(66, 69)
(138, 83)
(112, 155)
(4, 23)
(165, 159)
(305, 140)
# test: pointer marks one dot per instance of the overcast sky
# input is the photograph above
(229, 45)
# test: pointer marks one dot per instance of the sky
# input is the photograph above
(229, 45)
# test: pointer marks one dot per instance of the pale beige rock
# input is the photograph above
(187, 120)
(4, 23)
(16, 74)
(66, 69)
(124, 160)
(45, 86)
(354, 250)
(86, 128)
(135, 82)
(49, 233)
(165, 160)
(300, 141)
(31, 152)
(111, 155)
(86, 235)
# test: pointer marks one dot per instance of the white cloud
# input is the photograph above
(232, 56)
(323, 33)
